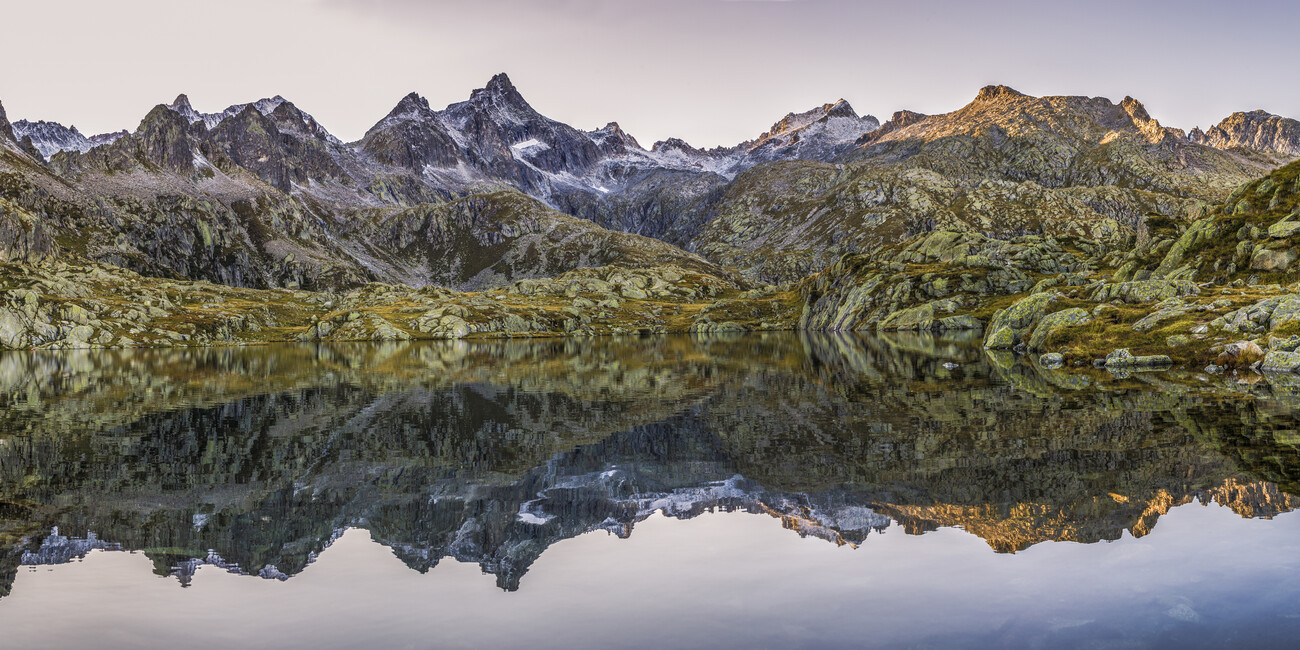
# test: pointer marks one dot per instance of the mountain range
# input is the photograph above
(828, 220)
(261, 195)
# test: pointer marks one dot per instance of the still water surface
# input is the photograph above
(754, 491)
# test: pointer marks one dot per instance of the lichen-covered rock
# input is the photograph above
(964, 322)
(1197, 233)
(1289, 344)
(1055, 322)
(920, 318)
(1144, 291)
(1051, 360)
(1284, 228)
(1167, 309)
(1286, 311)
(1272, 259)
(1281, 361)
(1012, 325)
(1123, 359)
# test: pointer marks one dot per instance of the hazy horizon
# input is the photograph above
(712, 72)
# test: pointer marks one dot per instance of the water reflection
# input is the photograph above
(255, 460)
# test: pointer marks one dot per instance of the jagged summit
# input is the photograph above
(1135, 109)
(499, 88)
(828, 125)
(499, 98)
(500, 83)
(411, 102)
(614, 138)
(182, 106)
(50, 138)
(677, 144)
(1257, 129)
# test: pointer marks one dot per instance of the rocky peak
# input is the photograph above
(411, 103)
(500, 82)
(181, 106)
(795, 121)
(411, 136)
(900, 120)
(1257, 129)
(1135, 110)
(841, 108)
(1148, 126)
(164, 137)
(819, 133)
(49, 138)
(499, 91)
(997, 93)
(6, 131)
(676, 145)
(290, 118)
(613, 138)
(108, 138)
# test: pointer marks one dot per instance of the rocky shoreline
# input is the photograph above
(60, 305)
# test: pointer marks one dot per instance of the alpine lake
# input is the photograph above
(777, 490)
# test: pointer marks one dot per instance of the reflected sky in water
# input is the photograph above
(733, 492)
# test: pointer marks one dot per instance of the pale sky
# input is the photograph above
(708, 71)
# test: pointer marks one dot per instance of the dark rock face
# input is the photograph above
(507, 136)
(495, 134)
(1256, 130)
(411, 137)
(23, 238)
(282, 148)
(164, 140)
(613, 140)
(6, 130)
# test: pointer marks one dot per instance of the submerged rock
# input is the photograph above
(1123, 359)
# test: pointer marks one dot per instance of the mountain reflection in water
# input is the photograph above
(256, 459)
